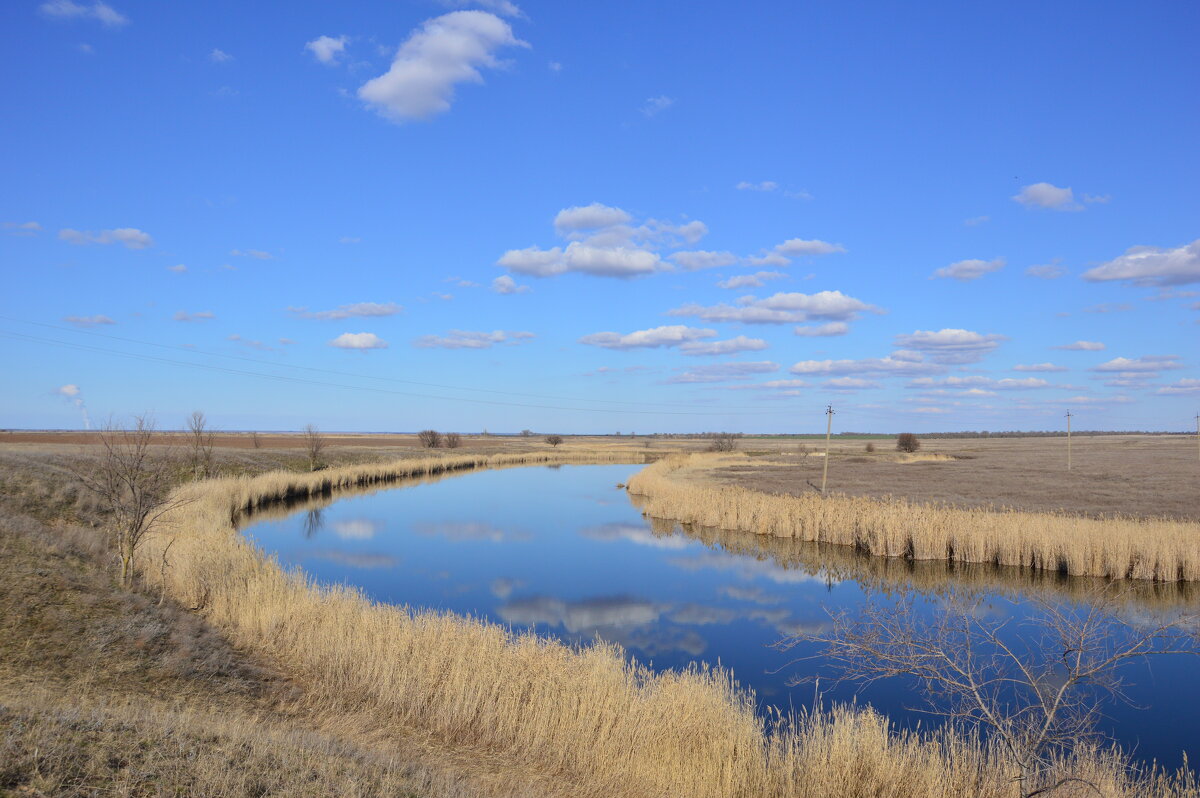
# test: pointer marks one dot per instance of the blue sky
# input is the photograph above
(601, 217)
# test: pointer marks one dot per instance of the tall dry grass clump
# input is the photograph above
(1111, 548)
(585, 717)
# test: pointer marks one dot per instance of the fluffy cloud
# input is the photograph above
(1046, 195)
(656, 337)
(850, 384)
(885, 366)
(178, 268)
(88, 321)
(466, 339)
(101, 12)
(504, 7)
(130, 237)
(218, 56)
(826, 330)
(257, 254)
(755, 280)
(782, 308)
(507, 285)
(728, 347)
(1152, 266)
(656, 105)
(1046, 271)
(360, 341)
(1185, 387)
(446, 51)
(951, 346)
(22, 228)
(784, 386)
(1039, 367)
(725, 372)
(766, 185)
(203, 315)
(969, 269)
(799, 246)
(1082, 346)
(358, 310)
(589, 217)
(701, 259)
(1146, 364)
(1006, 384)
(327, 49)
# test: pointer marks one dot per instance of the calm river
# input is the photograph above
(561, 550)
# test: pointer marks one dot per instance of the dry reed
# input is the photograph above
(587, 717)
(1159, 550)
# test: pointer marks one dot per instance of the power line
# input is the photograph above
(336, 372)
(323, 383)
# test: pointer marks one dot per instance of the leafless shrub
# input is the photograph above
(526, 433)
(803, 451)
(430, 438)
(722, 442)
(554, 440)
(255, 441)
(1037, 685)
(870, 447)
(314, 444)
(200, 444)
(907, 442)
(452, 440)
(134, 485)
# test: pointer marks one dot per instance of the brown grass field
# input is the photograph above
(249, 681)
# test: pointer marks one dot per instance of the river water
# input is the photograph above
(562, 551)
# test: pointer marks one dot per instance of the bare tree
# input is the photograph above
(452, 440)
(200, 444)
(907, 442)
(314, 444)
(1036, 685)
(430, 438)
(722, 442)
(134, 484)
(554, 440)
(526, 433)
(255, 441)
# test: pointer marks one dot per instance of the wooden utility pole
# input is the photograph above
(828, 431)
(1198, 433)
(1068, 440)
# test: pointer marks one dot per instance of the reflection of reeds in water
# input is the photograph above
(587, 717)
(843, 563)
(1117, 548)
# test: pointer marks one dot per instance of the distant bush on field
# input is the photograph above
(452, 440)
(907, 442)
(554, 440)
(430, 438)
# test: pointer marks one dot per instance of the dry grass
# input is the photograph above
(585, 719)
(683, 488)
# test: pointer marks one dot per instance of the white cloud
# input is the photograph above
(589, 217)
(755, 280)
(69, 391)
(218, 56)
(360, 341)
(825, 330)
(327, 49)
(850, 384)
(656, 105)
(725, 372)
(203, 315)
(102, 12)
(503, 7)
(358, 310)
(130, 237)
(1185, 387)
(672, 335)
(728, 347)
(976, 381)
(1039, 367)
(969, 269)
(799, 246)
(1146, 364)
(507, 285)
(766, 185)
(22, 228)
(1152, 266)
(249, 343)
(257, 254)
(951, 346)
(976, 220)
(768, 259)
(782, 308)
(1101, 199)
(1047, 271)
(465, 339)
(178, 268)
(886, 366)
(88, 321)
(1109, 307)
(784, 386)
(1045, 195)
(446, 51)
(701, 259)
(1082, 346)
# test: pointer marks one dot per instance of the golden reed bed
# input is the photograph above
(680, 488)
(585, 718)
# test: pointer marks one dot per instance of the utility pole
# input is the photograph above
(1068, 440)
(1198, 432)
(828, 431)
